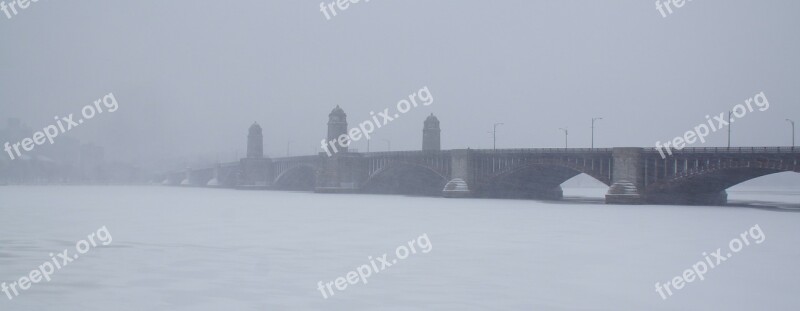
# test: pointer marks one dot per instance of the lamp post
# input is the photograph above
(367, 144)
(729, 129)
(388, 144)
(566, 137)
(494, 135)
(288, 145)
(791, 122)
(594, 119)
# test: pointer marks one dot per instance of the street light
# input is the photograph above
(594, 119)
(389, 144)
(367, 144)
(729, 129)
(494, 135)
(566, 137)
(792, 122)
(288, 145)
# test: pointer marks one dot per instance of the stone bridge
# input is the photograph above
(634, 175)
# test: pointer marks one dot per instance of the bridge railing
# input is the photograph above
(229, 164)
(545, 150)
(204, 167)
(489, 151)
(742, 150)
(404, 153)
(296, 158)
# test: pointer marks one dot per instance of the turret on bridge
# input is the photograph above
(431, 134)
(255, 169)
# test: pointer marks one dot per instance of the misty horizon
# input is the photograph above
(193, 88)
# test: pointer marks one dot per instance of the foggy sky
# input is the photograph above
(191, 76)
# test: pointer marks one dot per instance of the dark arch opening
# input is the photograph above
(716, 181)
(230, 178)
(406, 179)
(530, 182)
(707, 189)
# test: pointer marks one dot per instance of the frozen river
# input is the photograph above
(207, 249)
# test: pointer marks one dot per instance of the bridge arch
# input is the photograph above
(714, 180)
(405, 178)
(533, 180)
(787, 179)
(536, 173)
(707, 184)
(301, 177)
(229, 178)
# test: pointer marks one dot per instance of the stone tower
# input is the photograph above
(337, 125)
(431, 134)
(255, 170)
(255, 142)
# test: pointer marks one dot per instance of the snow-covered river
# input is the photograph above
(214, 249)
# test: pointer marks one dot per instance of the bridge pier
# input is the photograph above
(627, 184)
(214, 182)
(187, 178)
(340, 173)
(459, 184)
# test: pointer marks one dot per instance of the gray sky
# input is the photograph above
(191, 76)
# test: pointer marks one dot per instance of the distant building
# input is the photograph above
(15, 131)
(64, 161)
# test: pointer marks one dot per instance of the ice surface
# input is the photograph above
(215, 249)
